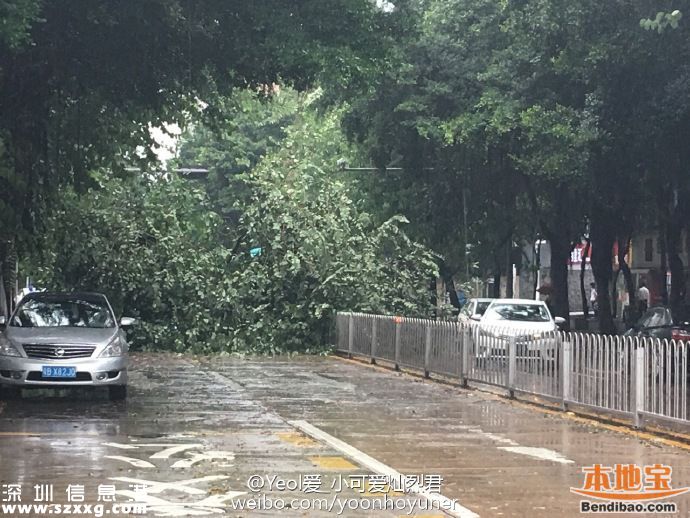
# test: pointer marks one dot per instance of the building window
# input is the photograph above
(648, 250)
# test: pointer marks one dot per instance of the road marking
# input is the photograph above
(514, 447)
(494, 437)
(538, 453)
(120, 446)
(297, 439)
(449, 506)
(168, 452)
(137, 463)
(195, 458)
(183, 486)
(332, 463)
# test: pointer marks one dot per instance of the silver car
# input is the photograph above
(63, 340)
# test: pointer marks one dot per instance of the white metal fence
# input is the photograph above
(629, 377)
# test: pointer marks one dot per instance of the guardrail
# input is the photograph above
(631, 377)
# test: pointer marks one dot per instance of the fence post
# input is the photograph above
(464, 354)
(427, 350)
(350, 335)
(374, 327)
(637, 405)
(566, 367)
(512, 366)
(398, 321)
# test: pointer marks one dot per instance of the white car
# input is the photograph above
(473, 307)
(528, 322)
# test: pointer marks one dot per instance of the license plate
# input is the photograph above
(59, 372)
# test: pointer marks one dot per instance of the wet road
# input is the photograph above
(195, 434)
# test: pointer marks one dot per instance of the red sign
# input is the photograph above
(577, 252)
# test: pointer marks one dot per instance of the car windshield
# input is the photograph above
(64, 312)
(518, 312)
(656, 317)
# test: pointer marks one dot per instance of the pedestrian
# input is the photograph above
(643, 297)
(593, 297)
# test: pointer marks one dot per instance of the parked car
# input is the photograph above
(63, 340)
(528, 321)
(658, 322)
(473, 307)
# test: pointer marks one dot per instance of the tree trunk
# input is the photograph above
(496, 293)
(560, 253)
(602, 246)
(664, 265)
(676, 265)
(614, 293)
(538, 268)
(628, 278)
(509, 270)
(440, 297)
(497, 278)
(450, 285)
(4, 309)
(583, 270)
(8, 269)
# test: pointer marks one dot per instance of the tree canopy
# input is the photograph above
(82, 81)
(559, 119)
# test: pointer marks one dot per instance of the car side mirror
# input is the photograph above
(476, 317)
(127, 321)
(559, 321)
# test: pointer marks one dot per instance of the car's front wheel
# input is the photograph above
(117, 392)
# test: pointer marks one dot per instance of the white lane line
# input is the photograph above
(167, 453)
(138, 445)
(195, 458)
(514, 447)
(137, 463)
(445, 504)
(120, 446)
(494, 437)
(538, 453)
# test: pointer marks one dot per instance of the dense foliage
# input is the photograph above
(559, 119)
(82, 81)
(161, 253)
